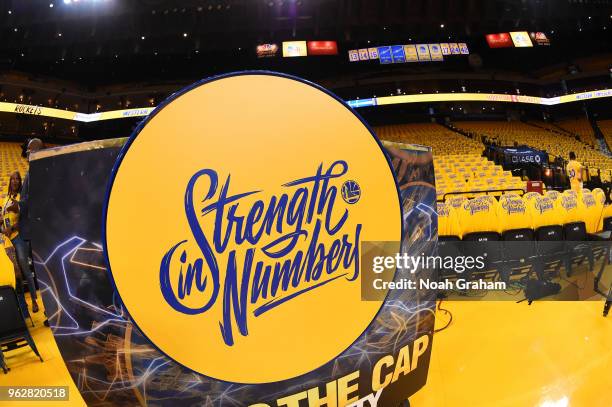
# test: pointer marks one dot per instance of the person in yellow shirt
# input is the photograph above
(574, 172)
(9, 213)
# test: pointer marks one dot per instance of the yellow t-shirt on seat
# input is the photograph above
(605, 213)
(513, 214)
(448, 222)
(591, 208)
(552, 194)
(544, 212)
(478, 215)
(569, 210)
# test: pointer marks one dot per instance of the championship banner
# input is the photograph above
(364, 54)
(397, 52)
(384, 55)
(234, 278)
(445, 48)
(435, 52)
(411, 53)
(423, 52)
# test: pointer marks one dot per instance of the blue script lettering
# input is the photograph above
(301, 214)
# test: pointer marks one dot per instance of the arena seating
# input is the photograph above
(442, 140)
(460, 216)
(581, 128)
(555, 143)
(606, 128)
(10, 161)
(458, 162)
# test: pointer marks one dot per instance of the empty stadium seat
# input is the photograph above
(458, 162)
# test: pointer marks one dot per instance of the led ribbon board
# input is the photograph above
(357, 103)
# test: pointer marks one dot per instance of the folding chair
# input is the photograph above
(13, 328)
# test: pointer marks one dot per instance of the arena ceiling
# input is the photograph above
(109, 41)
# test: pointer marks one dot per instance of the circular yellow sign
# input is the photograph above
(233, 226)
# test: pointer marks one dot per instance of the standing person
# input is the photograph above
(574, 172)
(10, 228)
(22, 240)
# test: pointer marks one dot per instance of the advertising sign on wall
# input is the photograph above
(322, 48)
(267, 50)
(539, 38)
(294, 49)
(521, 39)
(500, 40)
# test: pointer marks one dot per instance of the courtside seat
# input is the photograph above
(477, 216)
(478, 223)
(518, 236)
(548, 233)
(568, 209)
(577, 250)
(592, 209)
(599, 194)
(606, 218)
(448, 236)
(448, 220)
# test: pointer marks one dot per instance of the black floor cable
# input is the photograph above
(450, 320)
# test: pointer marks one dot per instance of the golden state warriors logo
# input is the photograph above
(234, 222)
